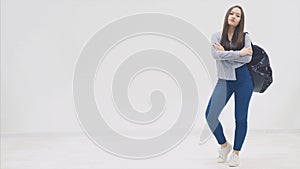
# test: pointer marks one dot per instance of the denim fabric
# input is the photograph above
(242, 88)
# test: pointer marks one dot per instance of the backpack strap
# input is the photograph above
(244, 39)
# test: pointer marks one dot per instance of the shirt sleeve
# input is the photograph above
(229, 55)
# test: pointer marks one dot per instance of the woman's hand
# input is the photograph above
(246, 51)
(219, 47)
(243, 52)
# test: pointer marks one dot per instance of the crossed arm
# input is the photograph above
(244, 55)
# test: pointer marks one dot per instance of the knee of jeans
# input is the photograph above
(210, 118)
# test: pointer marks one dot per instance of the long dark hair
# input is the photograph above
(237, 42)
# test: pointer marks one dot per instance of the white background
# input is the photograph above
(42, 39)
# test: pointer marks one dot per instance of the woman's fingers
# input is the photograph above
(251, 51)
(218, 46)
(246, 51)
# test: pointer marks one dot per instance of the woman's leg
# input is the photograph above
(218, 100)
(242, 95)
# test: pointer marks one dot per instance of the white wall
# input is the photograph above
(41, 41)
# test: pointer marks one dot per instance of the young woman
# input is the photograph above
(231, 50)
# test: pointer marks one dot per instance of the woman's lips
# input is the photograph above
(232, 20)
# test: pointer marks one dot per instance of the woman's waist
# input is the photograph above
(242, 66)
(242, 72)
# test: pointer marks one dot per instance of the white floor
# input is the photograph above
(262, 150)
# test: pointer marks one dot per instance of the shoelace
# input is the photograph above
(221, 152)
(234, 158)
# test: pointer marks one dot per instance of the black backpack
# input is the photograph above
(260, 69)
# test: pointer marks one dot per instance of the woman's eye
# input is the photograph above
(230, 13)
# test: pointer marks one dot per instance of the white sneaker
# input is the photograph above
(233, 160)
(223, 153)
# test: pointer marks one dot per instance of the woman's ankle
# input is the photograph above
(224, 145)
(236, 152)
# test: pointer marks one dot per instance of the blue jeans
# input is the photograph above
(242, 88)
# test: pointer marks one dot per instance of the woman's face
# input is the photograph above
(234, 17)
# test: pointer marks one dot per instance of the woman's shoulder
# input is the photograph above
(218, 34)
(247, 36)
(216, 37)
